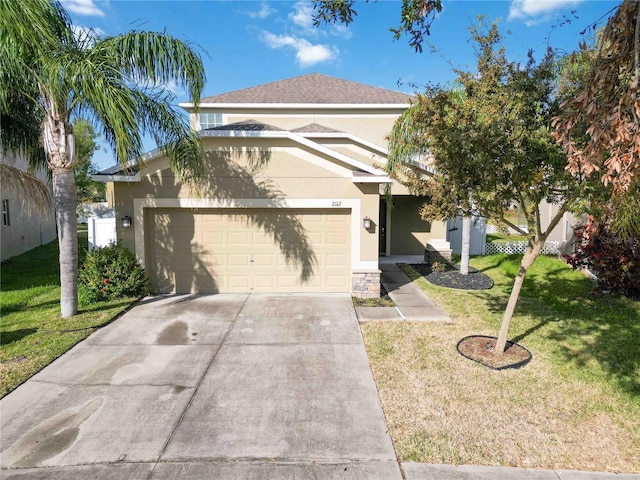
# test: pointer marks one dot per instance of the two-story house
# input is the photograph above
(293, 199)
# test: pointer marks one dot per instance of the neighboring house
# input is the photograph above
(293, 199)
(24, 226)
(563, 232)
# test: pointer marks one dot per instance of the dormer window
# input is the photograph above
(209, 120)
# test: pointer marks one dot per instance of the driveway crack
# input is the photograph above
(195, 390)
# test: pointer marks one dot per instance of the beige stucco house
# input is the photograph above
(24, 225)
(293, 198)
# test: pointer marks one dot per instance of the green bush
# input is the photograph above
(111, 272)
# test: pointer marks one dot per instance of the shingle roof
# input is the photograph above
(315, 128)
(246, 126)
(314, 88)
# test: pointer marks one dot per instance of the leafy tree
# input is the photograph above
(87, 190)
(488, 146)
(416, 17)
(116, 82)
(599, 126)
(406, 147)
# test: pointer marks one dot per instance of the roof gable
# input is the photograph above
(314, 88)
(362, 172)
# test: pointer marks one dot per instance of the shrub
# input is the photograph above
(613, 259)
(111, 272)
(438, 267)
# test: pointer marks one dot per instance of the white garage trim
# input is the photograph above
(139, 204)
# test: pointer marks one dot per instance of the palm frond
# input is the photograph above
(156, 59)
(48, 23)
(25, 185)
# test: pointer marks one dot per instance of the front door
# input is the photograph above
(382, 228)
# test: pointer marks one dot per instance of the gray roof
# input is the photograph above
(314, 88)
(315, 128)
(245, 126)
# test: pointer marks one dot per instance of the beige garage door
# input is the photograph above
(256, 250)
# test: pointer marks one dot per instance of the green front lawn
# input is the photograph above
(32, 334)
(575, 405)
(500, 237)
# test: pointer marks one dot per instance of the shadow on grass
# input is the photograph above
(584, 327)
(19, 307)
(107, 305)
(11, 336)
(610, 334)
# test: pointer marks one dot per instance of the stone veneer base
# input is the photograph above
(365, 283)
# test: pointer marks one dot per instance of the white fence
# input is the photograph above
(102, 232)
(550, 248)
(511, 231)
(85, 211)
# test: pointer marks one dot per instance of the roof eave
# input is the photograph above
(371, 179)
(298, 106)
(244, 133)
(346, 135)
(117, 178)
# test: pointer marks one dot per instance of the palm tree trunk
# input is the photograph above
(527, 260)
(64, 197)
(466, 239)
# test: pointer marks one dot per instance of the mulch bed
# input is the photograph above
(481, 349)
(452, 278)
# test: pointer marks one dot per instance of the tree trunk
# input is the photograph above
(527, 260)
(466, 239)
(64, 197)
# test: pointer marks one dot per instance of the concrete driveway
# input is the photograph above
(212, 386)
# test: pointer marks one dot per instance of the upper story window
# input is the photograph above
(209, 120)
(6, 219)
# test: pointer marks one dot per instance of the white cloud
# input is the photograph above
(302, 18)
(82, 7)
(302, 14)
(307, 54)
(173, 87)
(87, 35)
(341, 31)
(526, 9)
(262, 12)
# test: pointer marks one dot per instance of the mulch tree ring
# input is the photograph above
(482, 349)
(451, 278)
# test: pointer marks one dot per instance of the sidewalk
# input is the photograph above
(412, 304)
(423, 471)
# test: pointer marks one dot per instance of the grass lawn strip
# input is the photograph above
(32, 334)
(384, 300)
(576, 405)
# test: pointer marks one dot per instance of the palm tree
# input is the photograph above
(116, 82)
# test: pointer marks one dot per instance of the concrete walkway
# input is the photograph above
(412, 304)
(195, 387)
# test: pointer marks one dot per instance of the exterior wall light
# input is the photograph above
(366, 223)
(125, 221)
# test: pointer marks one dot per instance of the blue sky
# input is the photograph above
(250, 42)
